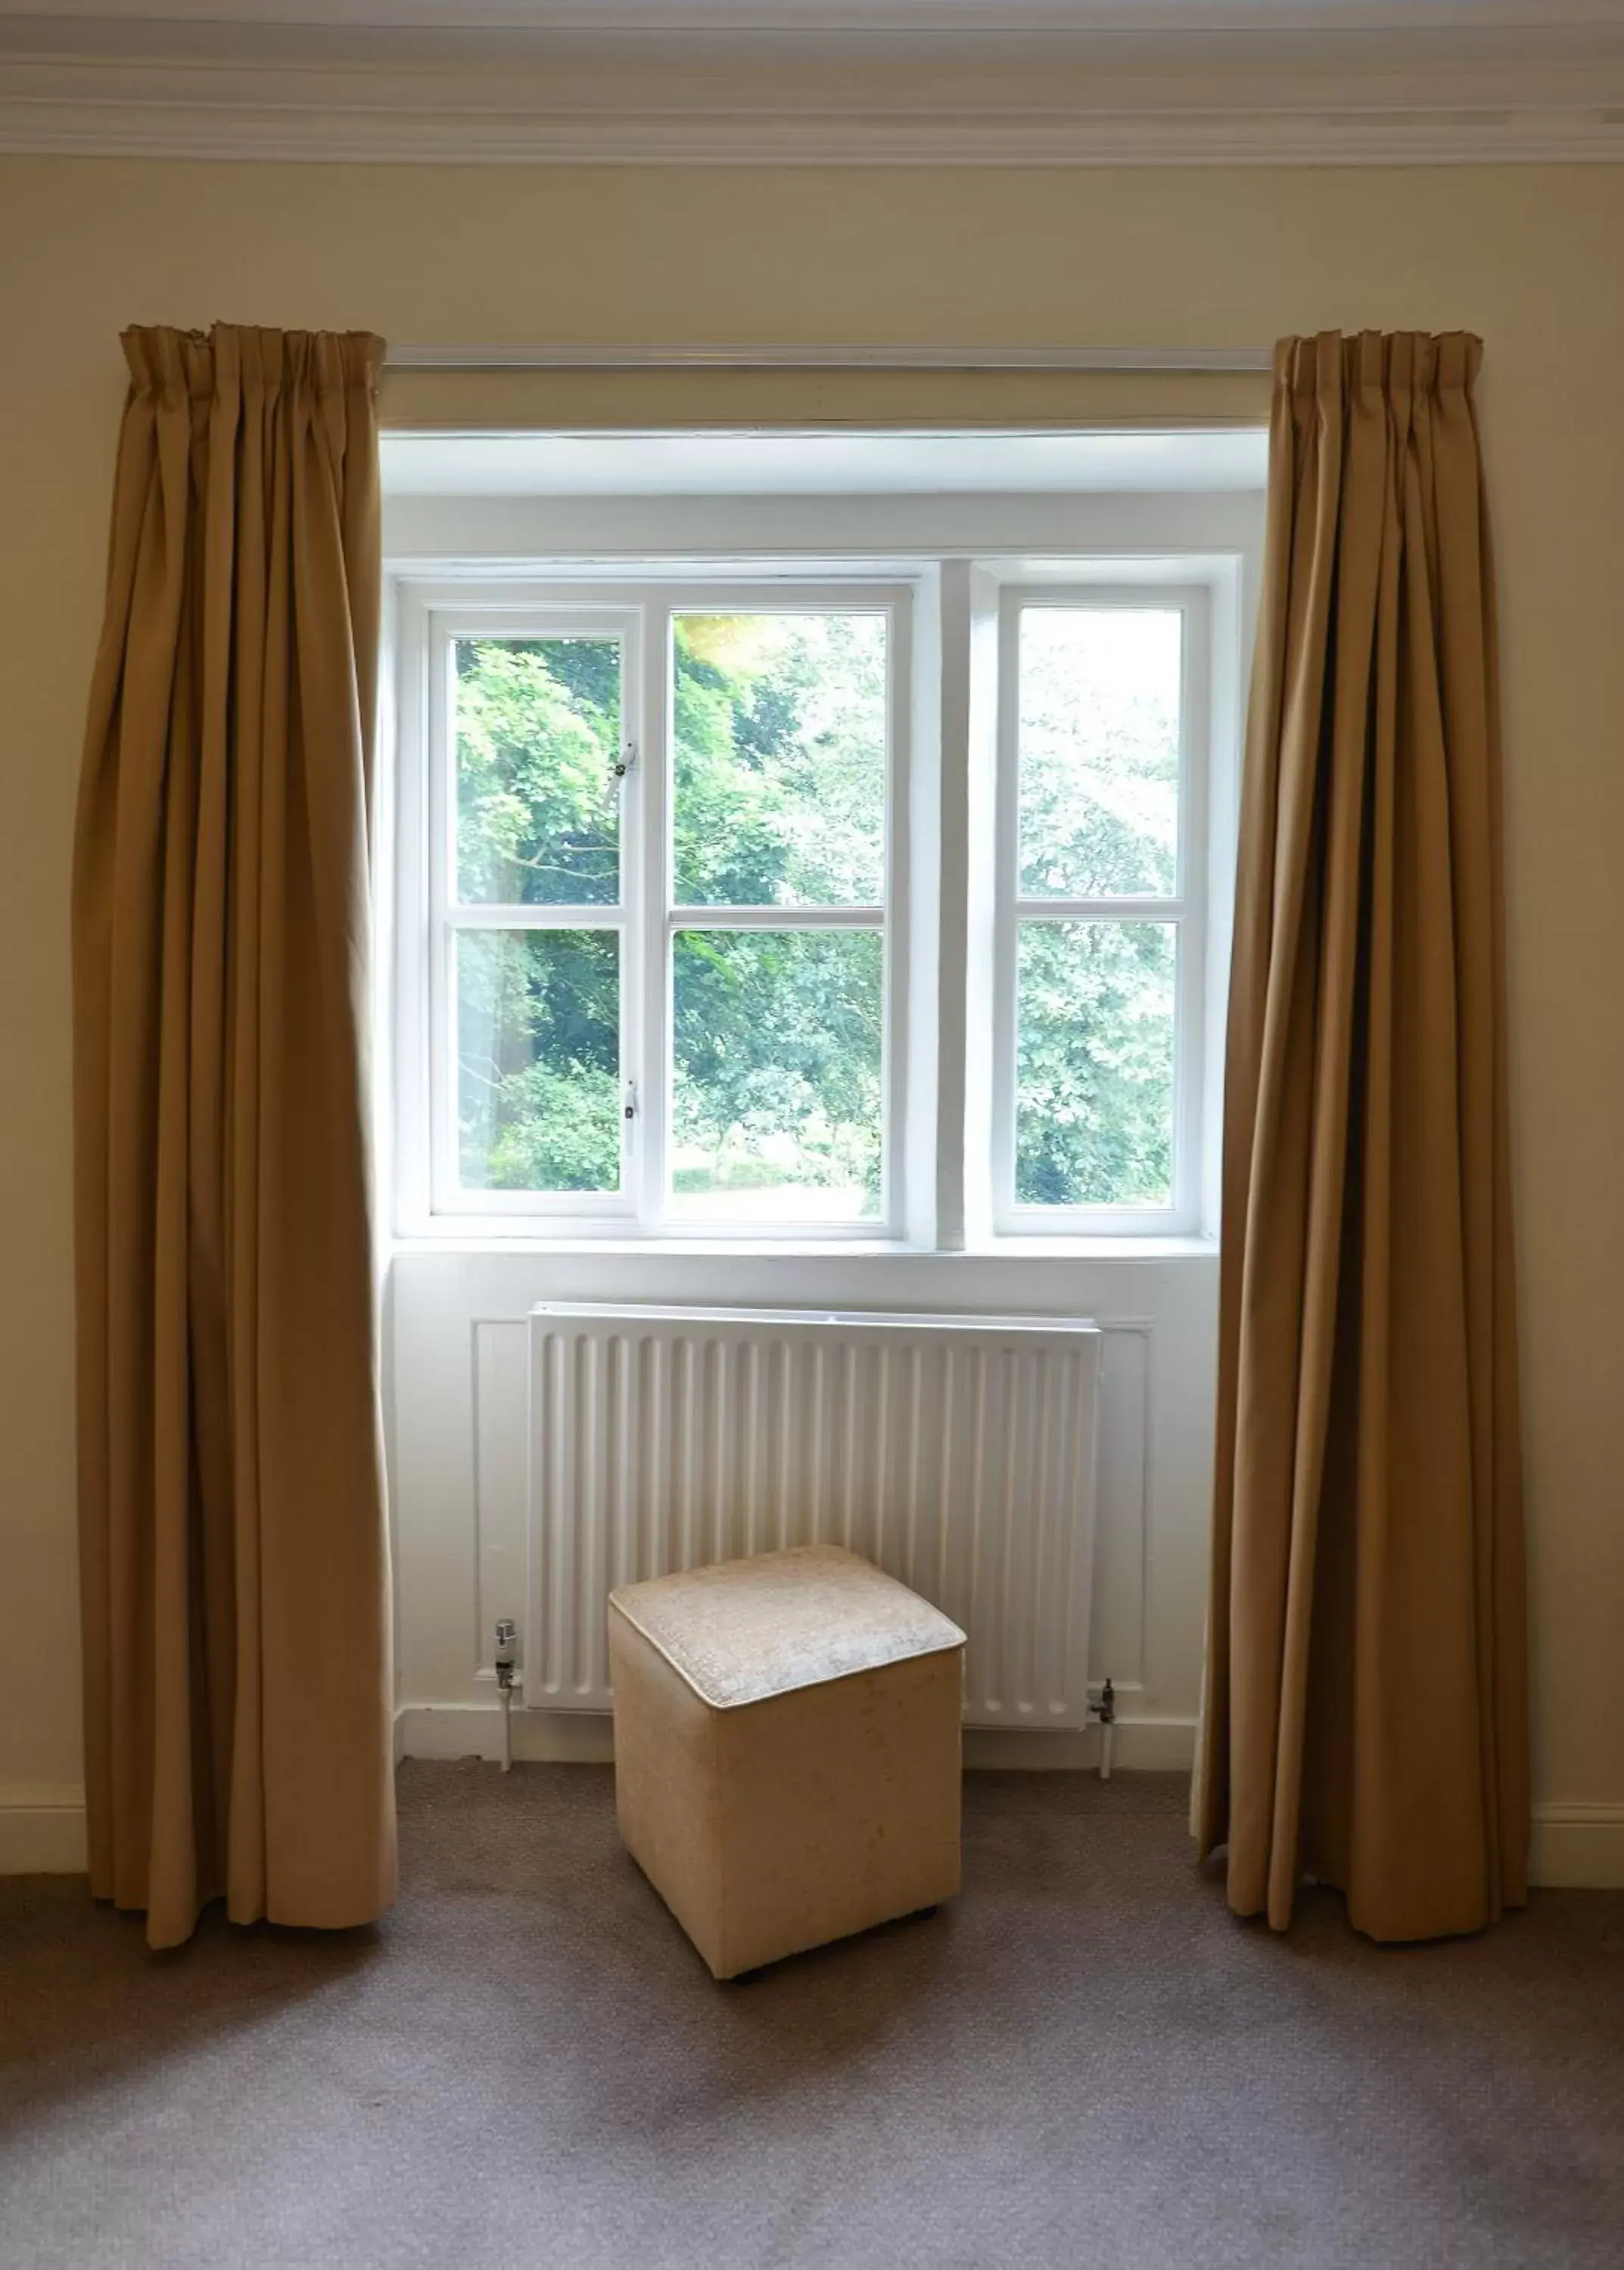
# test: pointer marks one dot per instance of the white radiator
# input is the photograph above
(957, 1453)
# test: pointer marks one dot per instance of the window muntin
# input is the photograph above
(1099, 911)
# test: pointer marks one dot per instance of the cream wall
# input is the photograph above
(1530, 257)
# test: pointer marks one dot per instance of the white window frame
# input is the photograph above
(429, 619)
(1185, 909)
(946, 578)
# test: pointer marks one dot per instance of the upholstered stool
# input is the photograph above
(786, 1749)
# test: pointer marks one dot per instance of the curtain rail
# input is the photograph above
(437, 356)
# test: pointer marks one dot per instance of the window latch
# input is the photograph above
(628, 1101)
(623, 764)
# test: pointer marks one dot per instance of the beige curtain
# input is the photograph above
(1364, 1710)
(234, 1556)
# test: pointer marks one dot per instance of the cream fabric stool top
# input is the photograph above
(786, 1749)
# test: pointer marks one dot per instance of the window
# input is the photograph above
(824, 901)
(658, 831)
(1101, 910)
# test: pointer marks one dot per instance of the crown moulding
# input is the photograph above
(248, 91)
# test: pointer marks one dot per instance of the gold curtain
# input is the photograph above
(234, 1554)
(1365, 1717)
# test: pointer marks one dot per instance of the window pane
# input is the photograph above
(1094, 1078)
(776, 1106)
(780, 744)
(539, 1059)
(1100, 700)
(537, 726)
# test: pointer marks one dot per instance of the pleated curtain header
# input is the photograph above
(164, 361)
(1389, 363)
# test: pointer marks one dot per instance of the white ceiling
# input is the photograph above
(818, 463)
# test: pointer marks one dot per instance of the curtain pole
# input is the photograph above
(513, 356)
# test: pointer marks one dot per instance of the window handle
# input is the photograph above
(628, 1101)
(623, 764)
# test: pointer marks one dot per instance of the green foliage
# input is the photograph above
(779, 770)
(777, 1047)
(1100, 703)
(555, 1132)
(1094, 1068)
(779, 760)
(780, 732)
(537, 730)
(539, 1059)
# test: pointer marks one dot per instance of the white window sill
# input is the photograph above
(826, 1249)
(1124, 1247)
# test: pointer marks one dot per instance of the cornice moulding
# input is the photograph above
(1510, 96)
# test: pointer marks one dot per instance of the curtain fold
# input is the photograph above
(1365, 1713)
(233, 1544)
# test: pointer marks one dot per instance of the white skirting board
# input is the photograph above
(473, 1730)
(42, 1830)
(1579, 1845)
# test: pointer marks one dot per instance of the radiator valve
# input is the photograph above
(1105, 1711)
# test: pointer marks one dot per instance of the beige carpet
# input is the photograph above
(1085, 2063)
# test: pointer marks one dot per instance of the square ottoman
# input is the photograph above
(786, 1749)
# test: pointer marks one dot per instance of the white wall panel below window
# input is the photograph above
(460, 1349)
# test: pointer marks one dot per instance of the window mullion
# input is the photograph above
(648, 1040)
